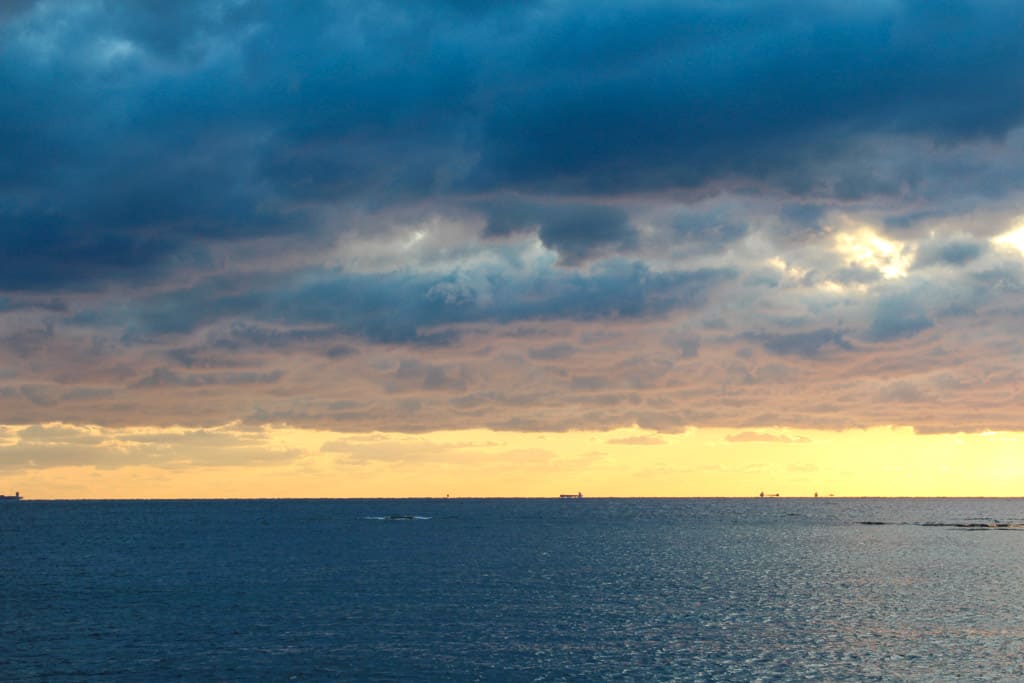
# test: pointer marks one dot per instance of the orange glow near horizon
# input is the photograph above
(296, 463)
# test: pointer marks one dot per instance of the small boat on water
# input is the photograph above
(571, 495)
(16, 496)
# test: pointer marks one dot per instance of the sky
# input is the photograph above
(381, 248)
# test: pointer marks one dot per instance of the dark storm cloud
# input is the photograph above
(401, 307)
(798, 221)
(12, 8)
(954, 253)
(135, 134)
(576, 232)
(213, 210)
(911, 219)
(578, 235)
(898, 317)
(707, 232)
(53, 305)
(806, 344)
(677, 95)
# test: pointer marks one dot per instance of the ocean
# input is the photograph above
(768, 589)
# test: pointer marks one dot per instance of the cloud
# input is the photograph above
(897, 317)
(341, 351)
(535, 215)
(412, 375)
(582, 233)
(552, 352)
(588, 383)
(216, 129)
(401, 307)
(25, 343)
(951, 253)
(769, 91)
(806, 344)
(707, 232)
(41, 394)
(802, 217)
(901, 392)
(746, 437)
(576, 232)
(637, 441)
(53, 305)
(162, 377)
(60, 445)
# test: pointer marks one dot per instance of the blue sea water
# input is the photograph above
(512, 590)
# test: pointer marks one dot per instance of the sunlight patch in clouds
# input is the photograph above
(1012, 239)
(789, 270)
(832, 287)
(866, 248)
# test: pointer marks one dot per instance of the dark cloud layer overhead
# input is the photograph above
(551, 214)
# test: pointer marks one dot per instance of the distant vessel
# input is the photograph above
(16, 496)
(769, 495)
(571, 495)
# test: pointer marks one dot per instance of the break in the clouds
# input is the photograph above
(527, 216)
